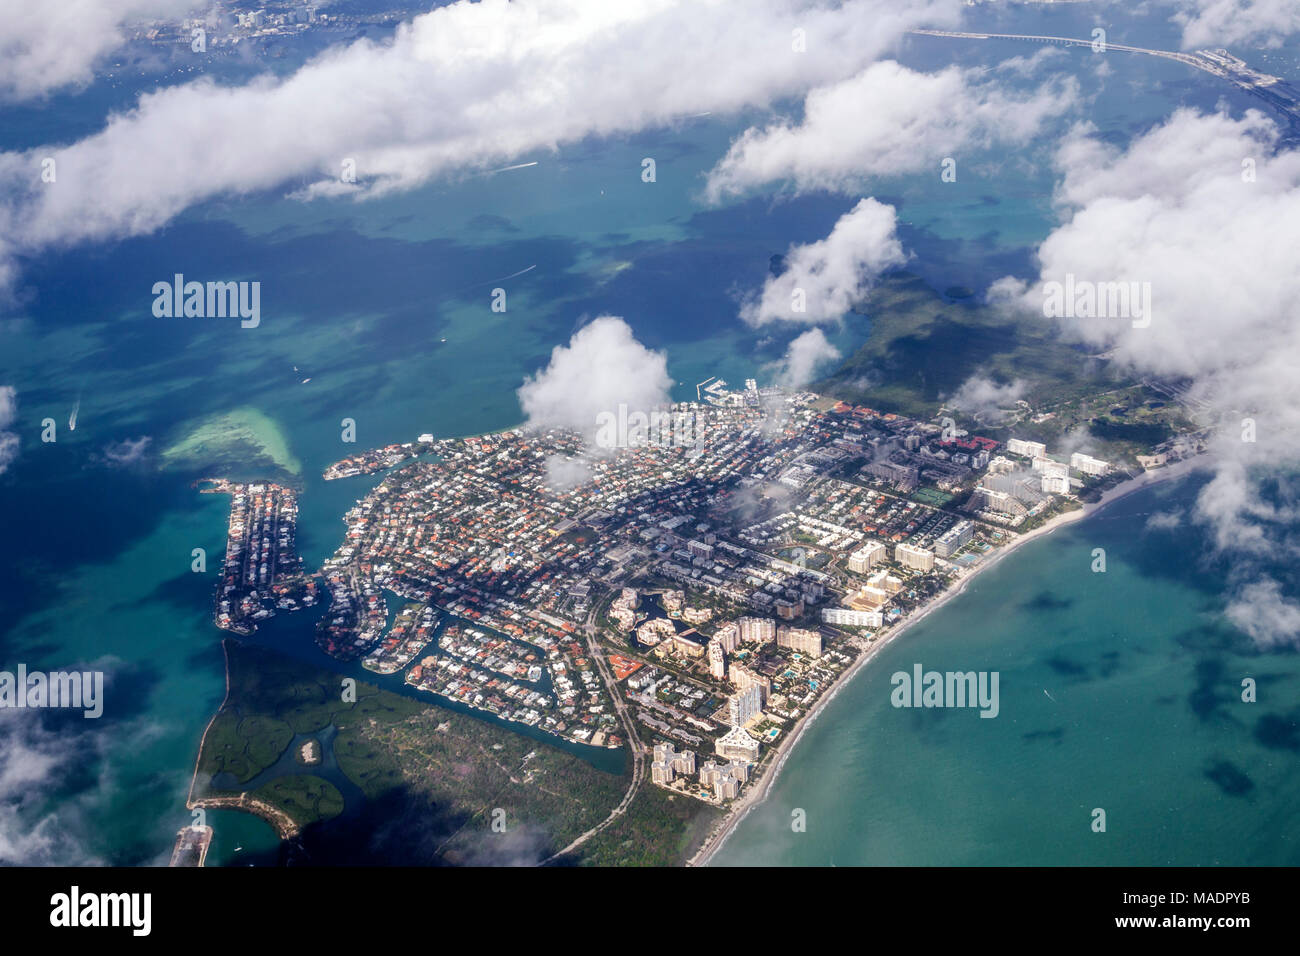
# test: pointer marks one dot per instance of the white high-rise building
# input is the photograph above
(883, 579)
(726, 787)
(737, 742)
(1030, 449)
(989, 499)
(744, 706)
(725, 779)
(1088, 465)
(759, 630)
(1047, 466)
(743, 678)
(954, 539)
(867, 557)
(847, 617)
(717, 660)
(728, 636)
(1056, 484)
(801, 639)
(699, 549)
(918, 559)
(667, 763)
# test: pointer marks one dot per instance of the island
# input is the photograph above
(692, 603)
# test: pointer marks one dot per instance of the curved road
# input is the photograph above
(633, 741)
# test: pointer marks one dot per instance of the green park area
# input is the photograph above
(461, 782)
(922, 347)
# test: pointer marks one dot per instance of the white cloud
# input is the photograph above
(1218, 23)
(823, 279)
(806, 354)
(982, 398)
(1164, 521)
(565, 473)
(885, 121)
(1176, 211)
(465, 86)
(42, 50)
(8, 405)
(35, 762)
(1030, 65)
(128, 451)
(602, 367)
(1266, 614)
(1206, 209)
(8, 439)
(1079, 438)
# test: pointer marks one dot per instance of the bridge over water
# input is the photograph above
(1275, 92)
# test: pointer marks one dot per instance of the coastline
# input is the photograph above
(280, 821)
(757, 795)
(190, 802)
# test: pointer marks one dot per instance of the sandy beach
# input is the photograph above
(757, 794)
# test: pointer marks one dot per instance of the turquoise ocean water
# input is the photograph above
(95, 551)
(1118, 690)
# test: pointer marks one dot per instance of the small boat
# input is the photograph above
(305, 381)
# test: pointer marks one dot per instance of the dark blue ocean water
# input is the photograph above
(95, 554)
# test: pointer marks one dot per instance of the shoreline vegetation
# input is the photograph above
(437, 775)
(757, 795)
(668, 836)
(254, 725)
(271, 702)
(281, 822)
